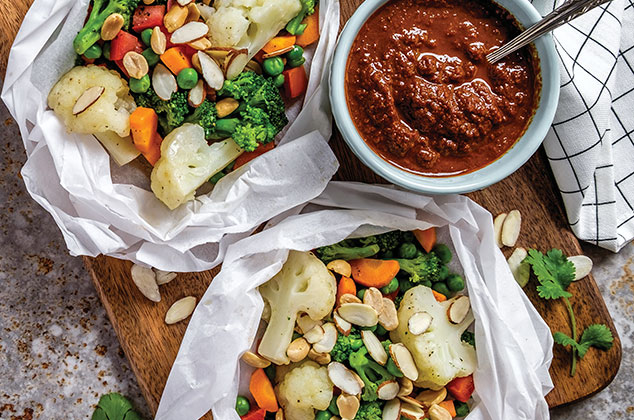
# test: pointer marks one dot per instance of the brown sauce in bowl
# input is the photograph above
(421, 93)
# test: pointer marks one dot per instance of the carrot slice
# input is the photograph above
(262, 391)
(279, 43)
(461, 388)
(154, 154)
(346, 285)
(311, 33)
(439, 296)
(176, 60)
(143, 124)
(449, 406)
(426, 238)
(374, 273)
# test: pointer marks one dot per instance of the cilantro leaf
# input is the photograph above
(554, 273)
(564, 340)
(114, 406)
(595, 335)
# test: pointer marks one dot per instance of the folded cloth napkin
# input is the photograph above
(590, 145)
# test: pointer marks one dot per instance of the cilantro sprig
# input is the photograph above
(555, 273)
(114, 406)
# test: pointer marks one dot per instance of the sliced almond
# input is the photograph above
(348, 298)
(340, 267)
(430, 397)
(277, 53)
(197, 94)
(212, 73)
(254, 66)
(175, 17)
(163, 82)
(321, 358)
(387, 390)
(407, 386)
(158, 41)
(458, 309)
(298, 349)
(89, 97)
(388, 317)
(348, 406)
(403, 360)
(184, 2)
(343, 378)
(519, 271)
(145, 280)
(189, 32)
(359, 314)
(329, 339)
(226, 106)
(180, 310)
(196, 63)
(343, 326)
(374, 298)
(358, 378)
(111, 26)
(200, 44)
(374, 346)
(315, 334)
(419, 322)
(135, 64)
(437, 412)
(411, 401)
(279, 414)
(219, 54)
(236, 63)
(497, 229)
(511, 228)
(193, 14)
(392, 410)
(412, 412)
(164, 277)
(306, 323)
(583, 266)
(255, 360)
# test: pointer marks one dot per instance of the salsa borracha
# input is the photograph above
(423, 96)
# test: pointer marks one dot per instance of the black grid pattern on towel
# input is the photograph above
(590, 145)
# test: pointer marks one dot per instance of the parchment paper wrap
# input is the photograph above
(103, 209)
(514, 345)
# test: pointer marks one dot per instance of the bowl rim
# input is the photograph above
(495, 171)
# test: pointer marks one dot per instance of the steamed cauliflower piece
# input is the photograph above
(439, 353)
(249, 24)
(304, 389)
(111, 112)
(187, 162)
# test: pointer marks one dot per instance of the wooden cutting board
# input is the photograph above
(151, 345)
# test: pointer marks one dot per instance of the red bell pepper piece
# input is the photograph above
(249, 156)
(461, 388)
(295, 82)
(255, 414)
(147, 17)
(123, 43)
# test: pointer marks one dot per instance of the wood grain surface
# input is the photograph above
(151, 345)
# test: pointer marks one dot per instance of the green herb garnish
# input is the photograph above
(114, 406)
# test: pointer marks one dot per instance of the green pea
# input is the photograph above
(296, 53)
(323, 415)
(393, 369)
(270, 372)
(333, 406)
(151, 57)
(187, 78)
(93, 52)
(407, 250)
(441, 287)
(455, 282)
(462, 409)
(443, 252)
(443, 273)
(426, 283)
(361, 293)
(296, 63)
(380, 330)
(279, 80)
(242, 405)
(391, 287)
(405, 285)
(146, 36)
(106, 50)
(140, 85)
(273, 66)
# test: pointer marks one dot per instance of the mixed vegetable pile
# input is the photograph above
(193, 87)
(373, 328)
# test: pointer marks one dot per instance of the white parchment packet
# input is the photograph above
(103, 209)
(514, 344)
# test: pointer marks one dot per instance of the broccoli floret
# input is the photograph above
(345, 250)
(205, 116)
(369, 411)
(422, 269)
(345, 345)
(372, 373)
(295, 25)
(171, 113)
(101, 9)
(389, 241)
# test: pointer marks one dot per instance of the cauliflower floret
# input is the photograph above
(439, 353)
(304, 284)
(307, 386)
(227, 26)
(111, 112)
(187, 162)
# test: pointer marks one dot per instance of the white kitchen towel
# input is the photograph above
(590, 145)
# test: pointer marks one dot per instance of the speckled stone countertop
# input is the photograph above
(58, 352)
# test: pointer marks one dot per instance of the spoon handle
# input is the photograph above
(568, 11)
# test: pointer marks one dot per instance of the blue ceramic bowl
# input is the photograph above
(508, 163)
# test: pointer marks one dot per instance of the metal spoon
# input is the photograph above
(568, 11)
